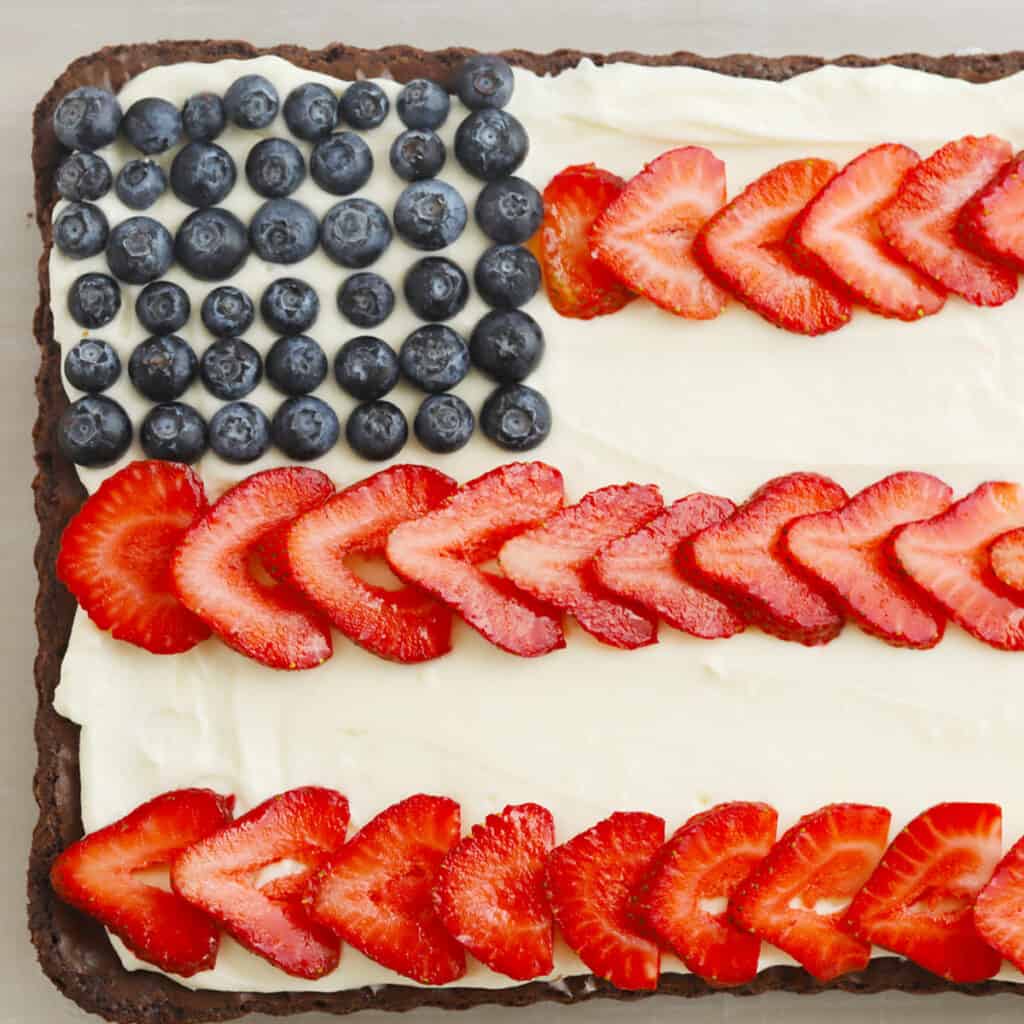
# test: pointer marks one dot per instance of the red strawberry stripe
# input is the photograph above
(1007, 559)
(992, 223)
(999, 909)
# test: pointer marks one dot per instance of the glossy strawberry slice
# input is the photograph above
(992, 222)
(999, 909)
(643, 567)
(403, 625)
(97, 875)
(837, 235)
(646, 234)
(490, 892)
(552, 562)
(213, 578)
(846, 552)
(377, 893)
(115, 553)
(919, 901)
(948, 558)
(920, 222)
(742, 249)
(741, 556)
(825, 857)
(1007, 559)
(441, 551)
(590, 880)
(706, 860)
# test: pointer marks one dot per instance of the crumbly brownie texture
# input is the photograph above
(73, 950)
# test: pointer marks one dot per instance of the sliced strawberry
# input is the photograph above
(919, 901)
(590, 880)
(846, 552)
(742, 249)
(115, 553)
(742, 557)
(1007, 559)
(441, 551)
(403, 625)
(577, 284)
(826, 856)
(97, 875)
(999, 909)
(272, 552)
(838, 236)
(707, 859)
(490, 892)
(377, 893)
(552, 562)
(643, 568)
(920, 222)
(645, 236)
(213, 578)
(220, 874)
(992, 222)
(948, 558)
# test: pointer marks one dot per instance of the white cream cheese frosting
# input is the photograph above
(643, 396)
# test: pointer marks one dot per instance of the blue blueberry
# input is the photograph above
(507, 276)
(507, 344)
(152, 125)
(311, 111)
(365, 299)
(491, 144)
(230, 368)
(87, 118)
(434, 358)
(227, 312)
(284, 231)
(139, 250)
(444, 423)
(239, 432)
(202, 174)
(163, 307)
(430, 215)
(296, 365)
(305, 427)
(92, 365)
(289, 306)
(341, 163)
(516, 417)
(211, 244)
(94, 300)
(423, 104)
(364, 105)
(84, 177)
(509, 210)
(174, 432)
(251, 102)
(366, 368)
(203, 116)
(417, 154)
(485, 81)
(355, 232)
(377, 430)
(275, 168)
(94, 431)
(162, 368)
(140, 183)
(81, 231)
(436, 288)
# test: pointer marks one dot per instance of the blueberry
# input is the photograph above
(509, 210)
(491, 144)
(84, 177)
(251, 102)
(417, 154)
(202, 174)
(275, 168)
(516, 417)
(289, 306)
(355, 232)
(485, 81)
(87, 118)
(162, 368)
(430, 215)
(507, 276)
(366, 368)
(227, 312)
(365, 299)
(444, 423)
(203, 116)
(81, 231)
(296, 365)
(211, 244)
(152, 125)
(423, 104)
(364, 105)
(507, 344)
(94, 431)
(305, 427)
(283, 231)
(140, 183)
(92, 365)
(311, 111)
(239, 432)
(230, 368)
(174, 432)
(163, 307)
(341, 163)
(436, 288)
(139, 250)
(94, 300)
(434, 358)
(376, 430)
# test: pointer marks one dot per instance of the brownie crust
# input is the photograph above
(73, 950)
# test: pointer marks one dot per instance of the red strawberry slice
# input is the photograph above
(1007, 560)
(742, 557)
(826, 856)
(213, 578)
(999, 909)
(440, 552)
(920, 222)
(919, 901)
(948, 558)
(403, 625)
(707, 859)
(643, 568)
(271, 551)
(219, 875)
(490, 892)
(552, 562)
(846, 552)
(742, 249)
(590, 881)
(377, 893)
(646, 234)
(838, 235)
(115, 553)
(577, 284)
(97, 875)
(992, 222)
